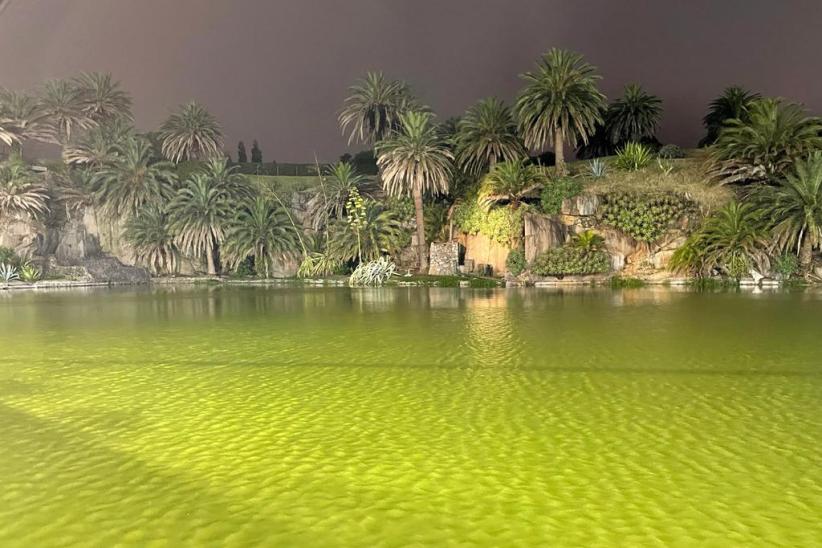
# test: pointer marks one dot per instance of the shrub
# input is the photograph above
(786, 266)
(618, 282)
(515, 263)
(375, 272)
(556, 191)
(671, 152)
(643, 217)
(633, 157)
(597, 167)
(568, 260)
(503, 225)
(9, 257)
(29, 273)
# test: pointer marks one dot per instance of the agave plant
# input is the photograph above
(29, 273)
(598, 168)
(375, 272)
(191, 133)
(8, 273)
(22, 192)
(633, 157)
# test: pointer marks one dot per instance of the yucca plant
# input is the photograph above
(8, 273)
(633, 157)
(375, 272)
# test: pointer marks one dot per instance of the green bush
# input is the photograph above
(562, 261)
(618, 282)
(786, 265)
(503, 225)
(643, 217)
(671, 152)
(633, 157)
(9, 257)
(515, 263)
(556, 191)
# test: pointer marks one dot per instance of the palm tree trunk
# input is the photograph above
(212, 270)
(806, 252)
(559, 153)
(422, 252)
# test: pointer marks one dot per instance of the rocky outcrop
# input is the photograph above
(444, 259)
(543, 232)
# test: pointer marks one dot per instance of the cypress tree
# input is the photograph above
(242, 157)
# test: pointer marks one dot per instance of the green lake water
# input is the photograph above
(393, 417)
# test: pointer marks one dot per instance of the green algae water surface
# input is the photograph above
(395, 417)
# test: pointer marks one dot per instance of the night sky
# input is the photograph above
(278, 70)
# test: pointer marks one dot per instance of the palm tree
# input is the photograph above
(732, 104)
(133, 180)
(369, 231)
(415, 160)
(732, 240)
(226, 177)
(22, 192)
(373, 108)
(99, 145)
(261, 230)
(329, 199)
(634, 116)
(148, 233)
(191, 133)
(62, 105)
(511, 182)
(199, 214)
(101, 98)
(796, 208)
(487, 134)
(560, 101)
(765, 146)
(21, 118)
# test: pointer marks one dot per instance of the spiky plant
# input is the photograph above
(588, 240)
(199, 214)
(98, 146)
(261, 229)
(634, 116)
(763, 147)
(795, 206)
(29, 273)
(369, 231)
(327, 202)
(560, 103)
(22, 192)
(101, 99)
(149, 235)
(61, 103)
(191, 133)
(511, 183)
(373, 108)
(732, 104)
(598, 168)
(633, 157)
(487, 134)
(415, 160)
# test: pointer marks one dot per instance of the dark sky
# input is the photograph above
(278, 70)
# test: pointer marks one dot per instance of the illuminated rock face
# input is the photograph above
(444, 259)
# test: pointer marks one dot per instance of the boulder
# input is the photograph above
(543, 232)
(584, 205)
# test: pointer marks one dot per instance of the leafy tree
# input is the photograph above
(261, 229)
(373, 108)
(733, 241)
(149, 235)
(22, 192)
(413, 161)
(511, 183)
(764, 146)
(560, 102)
(101, 99)
(795, 205)
(191, 133)
(634, 116)
(732, 104)
(199, 214)
(256, 153)
(133, 180)
(487, 134)
(242, 157)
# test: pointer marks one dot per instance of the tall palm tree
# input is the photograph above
(62, 105)
(101, 98)
(133, 180)
(99, 145)
(796, 208)
(21, 118)
(487, 134)
(148, 233)
(328, 201)
(765, 146)
(634, 116)
(732, 104)
(261, 230)
(560, 102)
(227, 178)
(374, 106)
(511, 183)
(22, 192)
(199, 214)
(191, 133)
(414, 160)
